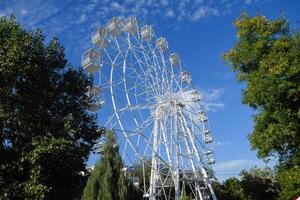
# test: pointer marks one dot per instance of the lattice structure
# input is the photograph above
(143, 94)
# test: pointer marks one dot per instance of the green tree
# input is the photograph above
(259, 183)
(289, 181)
(107, 181)
(231, 189)
(234, 190)
(45, 132)
(267, 58)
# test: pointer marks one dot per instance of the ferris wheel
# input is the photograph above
(141, 92)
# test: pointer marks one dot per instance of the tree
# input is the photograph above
(260, 183)
(231, 189)
(235, 190)
(267, 58)
(107, 181)
(289, 181)
(254, 184)
(46, 133)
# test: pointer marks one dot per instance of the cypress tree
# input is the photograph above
(107, 181)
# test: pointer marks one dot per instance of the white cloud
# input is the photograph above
(219, 143)
(81, 19)
(6, 11)
(164, 2)
(33, 12)
(250, 1)
(24, 12)
(170, 13)
(232, 165)
(57, 17)
(204, 11)
(212, 99)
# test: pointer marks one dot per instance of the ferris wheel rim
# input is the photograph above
(170, 84)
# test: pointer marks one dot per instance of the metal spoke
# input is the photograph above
(155, 114)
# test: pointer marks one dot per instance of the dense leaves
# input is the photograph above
(259, 184)
(289, 181)
(45, 132)
(231, 189)
(254, 184)
(107, 181)
(267, 58)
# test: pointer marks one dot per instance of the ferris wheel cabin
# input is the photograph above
(174, 59)
(131, 25)
(195, 96)
(90, 60)
(95, 93)
(147, 32)
(99, 37)
(114, 26)
(210, 159)
(162, 44)
(207, 136)
(185, 77)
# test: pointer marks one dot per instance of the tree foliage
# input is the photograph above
(289, 181)
(267, 58)
(231, 189)
(45, 132)
(254, 184)
(260, 183)
(107, 181)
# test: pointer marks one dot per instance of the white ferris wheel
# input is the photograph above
(142, 93)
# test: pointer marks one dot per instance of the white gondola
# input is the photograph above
(162, 44)
(98, 149)
(202, 117)
(207, 136)
(210, 159)
(99, 146)
(185, 77)
(147, 32)
(135, 181)
(114, 26)
(90, 60)
(99, 37)
(195, 95)
(174, 59)
(131, 25)
(95, 93)
(138, 90)
(208, 152)
(124, 169)
(128, 169)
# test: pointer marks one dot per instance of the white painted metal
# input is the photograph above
(185, 77)
(195, 95)
(162, 44)
(174, 59)
(147, 32)
(157, 115)
(114, 26)
(90, 60)
(131, 25)
(95, 93)
(99, 37)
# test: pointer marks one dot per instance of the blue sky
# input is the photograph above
(199, 30)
